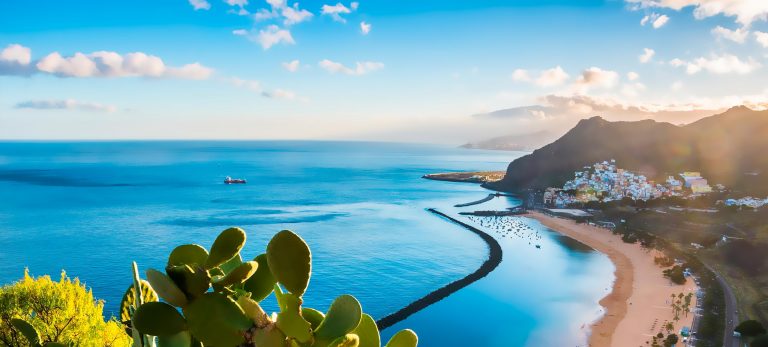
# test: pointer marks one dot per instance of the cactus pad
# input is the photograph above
(290, 261)
(348, 340)
(193, 281)
(343, 317)
(239, 274)
(314, 317)
(188, 254)
(225, 247)
(262, 282)
(404, 338)
(127, 304)
(26, 329)
(166, 288)
(217, 320)
(290, 321)
(158, 319)
(368, 332)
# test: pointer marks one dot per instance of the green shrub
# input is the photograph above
(211, 298)
(675, 274)
(750, 328)
(49, 311)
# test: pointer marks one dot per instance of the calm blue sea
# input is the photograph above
(91, 208)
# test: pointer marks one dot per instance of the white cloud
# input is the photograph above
(365, 28)
(596, 77)
(552, 77)
(632, 76)
(521, 75)
(292, 65)
(361, 68)
(16, 60)
(745, 11)
(254, 86)
(264, 14)
(240, 32)
(111, 64)
(738, 35)
(273, 35)
(761, 38)
(291, 14)
(295, 15)
(200, 4)
(660, 22)
(647, 55)
(632, 89)
(240, 3)
(281, 94)
(335, 11)
(68, 104)
(723, 64)
(656, 20)
(678, 85)
(15, 53)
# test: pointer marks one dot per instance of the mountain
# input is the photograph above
(522, 142)
(727, 148)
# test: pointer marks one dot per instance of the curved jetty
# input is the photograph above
(477, 202)
(494, 259)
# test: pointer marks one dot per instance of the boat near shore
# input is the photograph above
(230, 180)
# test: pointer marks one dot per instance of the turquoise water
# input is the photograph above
(91, 208)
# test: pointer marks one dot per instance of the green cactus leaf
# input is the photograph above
(26, 329)
(166, 288)
(280, 297)
(182, 339)
(314, 317)
(158, 319)
(404, 338)
(368, 332)
(128, 304)
(226, 246)
(343, 317)
(268, 336)
(253, 311)
(188, 255)
(215, 319)
(348, 340)
(231, 264)
(290, 261)
(290, 321)
(262, 282)
(193, 281)
(239, 274)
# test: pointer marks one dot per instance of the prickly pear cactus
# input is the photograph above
(211, 298)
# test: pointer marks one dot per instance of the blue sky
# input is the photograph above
(423, 72)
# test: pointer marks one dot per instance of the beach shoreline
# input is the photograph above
(638, 305)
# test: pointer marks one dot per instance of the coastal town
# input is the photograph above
(605, 182)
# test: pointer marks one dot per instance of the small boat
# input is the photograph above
(230, 180)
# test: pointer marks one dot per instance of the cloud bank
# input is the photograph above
(17, 60)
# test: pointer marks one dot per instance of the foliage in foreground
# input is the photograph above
(43, 312)
(219, 294)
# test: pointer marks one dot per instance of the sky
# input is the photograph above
(413, 71)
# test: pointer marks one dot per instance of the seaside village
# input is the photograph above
(606, 182)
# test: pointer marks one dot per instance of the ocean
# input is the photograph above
(90, 208)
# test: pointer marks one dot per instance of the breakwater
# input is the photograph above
(494, 259)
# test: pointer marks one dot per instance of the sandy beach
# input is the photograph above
(639, 306)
